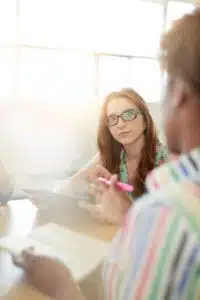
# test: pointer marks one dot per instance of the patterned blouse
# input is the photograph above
(161, 157)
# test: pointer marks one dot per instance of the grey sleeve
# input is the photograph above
(6, 191)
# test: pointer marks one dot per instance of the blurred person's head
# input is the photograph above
(180, 62)
(124, 120)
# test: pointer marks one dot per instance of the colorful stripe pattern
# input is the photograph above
(157, 256)
(186, 166)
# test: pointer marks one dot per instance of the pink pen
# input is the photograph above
(120, 185)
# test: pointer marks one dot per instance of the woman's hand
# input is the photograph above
(101, 171)
(48, 275)
(112, 204)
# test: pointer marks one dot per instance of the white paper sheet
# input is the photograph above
(82, 254)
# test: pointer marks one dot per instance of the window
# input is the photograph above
(49, 75)
(7, 74)
(113, 74)
(145, 29)
(177, 9)
(8, 21)
(146, 78)
(72, 51)
(55, 23)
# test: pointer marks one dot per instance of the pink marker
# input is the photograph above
(120, 185)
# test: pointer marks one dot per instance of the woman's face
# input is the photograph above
(124, 131)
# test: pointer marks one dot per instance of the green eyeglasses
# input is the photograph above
(128, 115)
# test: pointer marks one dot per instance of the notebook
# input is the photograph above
(81, 254)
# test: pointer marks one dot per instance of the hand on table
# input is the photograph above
(48, 275)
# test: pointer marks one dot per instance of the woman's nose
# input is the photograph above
(121, 122)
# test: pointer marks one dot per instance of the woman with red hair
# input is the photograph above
(128, 146)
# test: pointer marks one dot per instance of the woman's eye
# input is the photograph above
(112, 120)
(129, 115)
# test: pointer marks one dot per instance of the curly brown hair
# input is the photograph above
(180, 50)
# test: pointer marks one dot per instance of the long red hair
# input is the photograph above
(110, 149)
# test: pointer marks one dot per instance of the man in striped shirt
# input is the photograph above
(156, 255)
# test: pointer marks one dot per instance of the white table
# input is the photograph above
(19, 217)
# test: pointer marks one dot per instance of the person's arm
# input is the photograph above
(6, 185)
(155, 254)
(75, 294)
(50, 276)
(87, 174)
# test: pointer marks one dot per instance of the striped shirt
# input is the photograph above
(156, 254)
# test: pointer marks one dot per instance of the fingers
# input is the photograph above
(87, 206)
(97, 213)
(97, 188)
(26, 259)
(102, 172)
(113, 180)
(113, 186)
(94, 210)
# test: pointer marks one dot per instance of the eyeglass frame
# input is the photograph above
(136, 110)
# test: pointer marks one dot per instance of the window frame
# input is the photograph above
(18, 48)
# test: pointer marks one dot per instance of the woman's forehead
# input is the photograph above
(118, 105)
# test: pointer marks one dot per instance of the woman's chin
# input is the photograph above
(125, 141)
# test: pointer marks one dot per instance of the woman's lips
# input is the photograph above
(124, 133)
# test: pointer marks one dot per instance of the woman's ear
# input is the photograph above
(180, 94)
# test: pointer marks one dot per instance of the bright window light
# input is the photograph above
(49, 75)
(145, 28)
(62, 51)
(8, 21)
(176, 10)
(146, 78)
(54, 23)
(104, 26)
(113, 74)
(7, 68)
